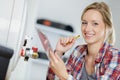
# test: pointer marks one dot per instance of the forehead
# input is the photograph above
(92, 15)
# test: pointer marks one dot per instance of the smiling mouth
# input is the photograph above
(89, 35)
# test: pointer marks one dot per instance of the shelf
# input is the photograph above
(40, 61)
(54, 30)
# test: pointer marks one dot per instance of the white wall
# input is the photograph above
(64, 11)
(115, 8)
(6, 8)
(15, 15)
(11, 22)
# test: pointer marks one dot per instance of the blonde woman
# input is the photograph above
(98, 59)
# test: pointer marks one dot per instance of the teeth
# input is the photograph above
(89, 34)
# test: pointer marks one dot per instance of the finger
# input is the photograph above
(52, 55)
(63, 41)
(68, 40)
(71, 39)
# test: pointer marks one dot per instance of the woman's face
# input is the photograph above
(93, 27)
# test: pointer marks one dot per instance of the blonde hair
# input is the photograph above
(103, 8)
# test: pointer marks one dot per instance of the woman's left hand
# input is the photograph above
(57, 65)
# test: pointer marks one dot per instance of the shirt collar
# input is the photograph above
(83, 50)
(102, 52)
(100, 55)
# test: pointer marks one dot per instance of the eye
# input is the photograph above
(83, 22)
(95, 24)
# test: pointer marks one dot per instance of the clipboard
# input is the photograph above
(45, 41)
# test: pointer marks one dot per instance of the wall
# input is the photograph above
(16, 29)
(11, 22)
(115, 8)
(6, 8)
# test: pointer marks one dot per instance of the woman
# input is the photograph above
(98, 59)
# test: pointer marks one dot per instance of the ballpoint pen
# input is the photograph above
(75, 37)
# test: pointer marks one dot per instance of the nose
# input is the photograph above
(88, 27)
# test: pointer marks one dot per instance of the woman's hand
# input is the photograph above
(58, 66)
(64, 44)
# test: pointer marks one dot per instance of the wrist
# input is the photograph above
(69, 77)
(65, 77)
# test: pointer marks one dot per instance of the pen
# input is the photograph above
(76, 37)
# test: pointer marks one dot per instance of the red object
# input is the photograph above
(22, 52)
(47, 23)
(35, 49)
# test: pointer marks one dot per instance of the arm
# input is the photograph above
(56, 64)
(68, 69)
(51, 74)
(58, 67)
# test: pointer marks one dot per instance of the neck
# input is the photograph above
(94, 48)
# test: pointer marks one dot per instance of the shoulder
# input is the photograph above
(110, 51)
(111, 63)
(112, 56)
(114, 51)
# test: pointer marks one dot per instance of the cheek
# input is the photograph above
(102, 33)
(82, 29)
(102, 30)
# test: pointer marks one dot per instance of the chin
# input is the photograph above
(90, 41)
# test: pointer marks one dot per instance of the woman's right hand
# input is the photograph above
(64, 44)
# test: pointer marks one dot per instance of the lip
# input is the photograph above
(89, 35)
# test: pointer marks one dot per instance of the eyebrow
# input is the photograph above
(83, 20)
(92, 20)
